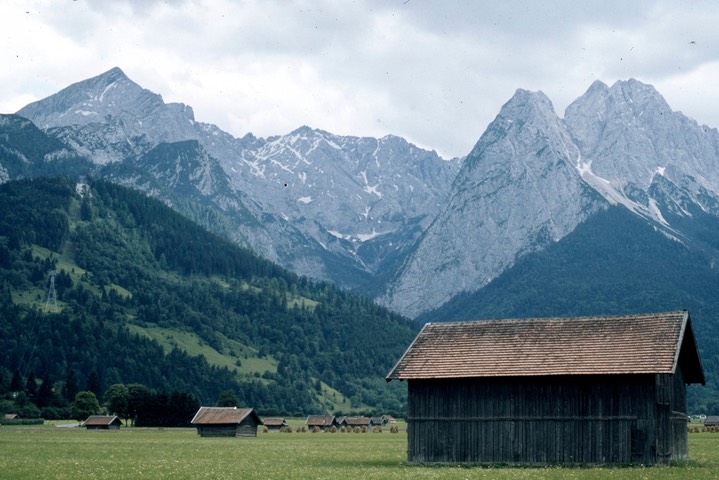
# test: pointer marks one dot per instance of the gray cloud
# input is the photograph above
(434, 72)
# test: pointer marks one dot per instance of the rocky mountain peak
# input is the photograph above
(517, 191)
(636, 94)
(628, 134)
(627, 105)
(525, 104)
(95, 100)
(110, 105)
(527, 120)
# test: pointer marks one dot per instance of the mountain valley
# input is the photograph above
(612, 208)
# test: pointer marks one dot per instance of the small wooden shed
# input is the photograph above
(711, 421)
(590, 390)
(102, 422)
(357, 422)
(322, 422)
(274, 424)
(226, 422)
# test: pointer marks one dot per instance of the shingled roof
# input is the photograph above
(627, 344)
(101, 420)
(223, 416)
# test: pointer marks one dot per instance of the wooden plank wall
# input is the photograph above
(679, 440)
(531, 420)
(227, 430)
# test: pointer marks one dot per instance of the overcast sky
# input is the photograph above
(435, 72)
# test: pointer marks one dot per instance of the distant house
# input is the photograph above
(376, 421)
(274, 424)
(102, 422)
(711, 421)
(10, 416)
(321, 421)
(341, 421)
(589, 390)
(359, 422)
(226, 422)
(389, 419)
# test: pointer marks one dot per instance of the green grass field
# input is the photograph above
(50, 452)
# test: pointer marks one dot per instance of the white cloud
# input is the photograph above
(434, 72)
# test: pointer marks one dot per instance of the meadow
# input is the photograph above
(50, 452)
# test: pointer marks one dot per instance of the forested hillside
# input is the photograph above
(613, 264)
(145, 296)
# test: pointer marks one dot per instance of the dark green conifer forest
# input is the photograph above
(133, 279)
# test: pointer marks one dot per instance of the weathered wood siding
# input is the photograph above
(244, 430)
(547, 420)
(672, 437)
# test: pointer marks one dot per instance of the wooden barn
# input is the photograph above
(226, 422)
(591, 390)
(102, 422)
(321, 422)
(357, 422)
(711, 421)
(274, 424)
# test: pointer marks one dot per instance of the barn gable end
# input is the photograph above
(590, 390)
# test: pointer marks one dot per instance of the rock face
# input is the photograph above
(629, 138)
(347, 194)
(518, 190)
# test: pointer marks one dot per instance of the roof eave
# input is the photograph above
(391, 375)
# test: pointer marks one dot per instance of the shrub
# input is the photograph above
(55, 413)
(23, 421)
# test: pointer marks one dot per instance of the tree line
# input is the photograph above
(136, 404)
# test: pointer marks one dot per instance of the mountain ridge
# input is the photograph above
(621, 144)
(370, 188)
(388, 219)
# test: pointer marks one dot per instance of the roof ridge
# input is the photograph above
(614, 344)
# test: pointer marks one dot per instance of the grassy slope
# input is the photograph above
(191, 343)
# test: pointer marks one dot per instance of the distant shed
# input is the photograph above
(226, 422)
(589, 390)
(102, 422)
(357, 422)
(274, 424)
(711, 421)
(321, 422)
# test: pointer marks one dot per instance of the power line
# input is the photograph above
(51, 294)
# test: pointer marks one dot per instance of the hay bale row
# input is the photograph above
(703, 429)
